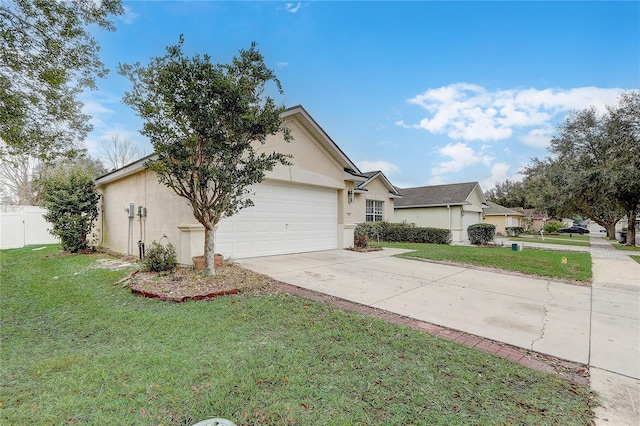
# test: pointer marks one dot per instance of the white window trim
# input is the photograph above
(374, 211)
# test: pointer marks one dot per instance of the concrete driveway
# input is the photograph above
(598, 325)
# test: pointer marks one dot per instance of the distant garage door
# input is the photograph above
(284, 219)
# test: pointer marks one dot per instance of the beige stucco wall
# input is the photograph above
(165, 212)
(434, 217)
(501, 222)
(376, 190)
(312, 163)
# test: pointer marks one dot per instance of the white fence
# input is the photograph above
(24, 225)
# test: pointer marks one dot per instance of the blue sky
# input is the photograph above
(427, 92)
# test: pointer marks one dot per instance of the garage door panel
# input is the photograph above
(284, 219)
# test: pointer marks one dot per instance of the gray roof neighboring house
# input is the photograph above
(497, 210)
(438, 195)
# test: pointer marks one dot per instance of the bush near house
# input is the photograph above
(553, 226)
(402, 233)
(160, 258)
(481, 233)
(514, 231)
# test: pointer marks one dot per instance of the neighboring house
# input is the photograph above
(532, 221)
(314, 204)
(502, 217)
(454, 207)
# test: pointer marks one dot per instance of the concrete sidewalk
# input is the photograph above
(615, 334)
(541, 315)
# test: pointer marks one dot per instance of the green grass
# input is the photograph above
(576, 240)
(78, 349)
(545, 263)
(619, 246)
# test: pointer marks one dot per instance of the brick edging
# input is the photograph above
(573, 372)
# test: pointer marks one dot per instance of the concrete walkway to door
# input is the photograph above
(545, 316)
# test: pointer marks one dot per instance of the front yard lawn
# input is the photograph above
(544, 263)
(77, 349)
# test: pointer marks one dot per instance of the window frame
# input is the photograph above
(374, 211)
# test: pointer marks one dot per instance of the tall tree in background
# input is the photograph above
(594, 167)
(117, 152)
(17, 173)
(202, 120)
(623, 127)
(47, 58)
(508, 194)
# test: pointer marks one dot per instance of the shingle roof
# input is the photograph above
(497, 209)
(437, 195)
(371, 176)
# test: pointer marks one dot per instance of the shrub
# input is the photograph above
(160, 258)
(71, 200)
(514, 231)
(552, 226)
(360, 241)
(403, 233)
(481, 233)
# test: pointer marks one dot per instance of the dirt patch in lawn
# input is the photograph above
(186, 283)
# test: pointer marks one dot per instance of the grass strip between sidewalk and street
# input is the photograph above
(577, 241)
(78, 349)
(562, 265)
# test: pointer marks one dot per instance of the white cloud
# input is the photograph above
(129, 15)
(384, 166)
(282, 64)
(499, 173)
(461, 155)
(470, 112)
(538, 138)
(97, 111)
(292, 7)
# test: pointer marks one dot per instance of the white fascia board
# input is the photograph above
(125, 171)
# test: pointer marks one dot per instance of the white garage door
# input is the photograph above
(284, 219)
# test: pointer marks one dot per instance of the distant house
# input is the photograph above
(532, 221)
(454, 207)
(502, 217)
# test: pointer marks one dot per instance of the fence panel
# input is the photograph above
(23, 226)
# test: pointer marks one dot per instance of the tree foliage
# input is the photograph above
(203, 120)
(594, 167)
(509, 194)
(47, 59)
(71, 200)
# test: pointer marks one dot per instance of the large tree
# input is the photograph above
(203, 121)
(117, 152)
(47, 58)
(509, 193)
(594, 167)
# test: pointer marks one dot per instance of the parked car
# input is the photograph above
(574, 230)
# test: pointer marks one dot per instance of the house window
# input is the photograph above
(374, 211)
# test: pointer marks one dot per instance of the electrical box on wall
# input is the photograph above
(130, 210)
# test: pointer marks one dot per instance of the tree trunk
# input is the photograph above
(631, 229)
(209, 251)
(611, 232)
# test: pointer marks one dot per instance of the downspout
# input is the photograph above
(449, 208)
